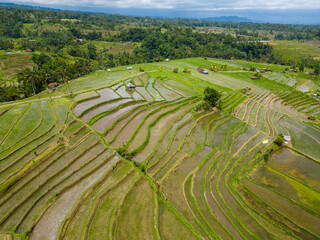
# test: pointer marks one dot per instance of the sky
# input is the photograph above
(282, 11)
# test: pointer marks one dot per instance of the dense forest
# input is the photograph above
(64, 46)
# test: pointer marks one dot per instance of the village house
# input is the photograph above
(254, 78)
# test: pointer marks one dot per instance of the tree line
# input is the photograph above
(62, 57)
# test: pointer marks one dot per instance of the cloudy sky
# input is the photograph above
(211, 5)
(293, 10)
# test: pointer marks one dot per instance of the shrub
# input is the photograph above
(141, 69)
(175, 70)
(202, 106)
(258, 75)
(132, 82)
(187, 70)
(72, 95)
(123, 152)
(212, 97)
(245, 90)
(279, 140)
(213, 68)
(141, 166)
(198, 107)
(312, 118)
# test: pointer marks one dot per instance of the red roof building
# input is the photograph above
(53, 84)
(28, 50)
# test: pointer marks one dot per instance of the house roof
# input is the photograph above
(53, 84)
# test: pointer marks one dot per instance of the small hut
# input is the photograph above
(287, 139)
(130, 85)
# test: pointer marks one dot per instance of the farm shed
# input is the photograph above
(130, 85)
(287, 139)
(202, 70)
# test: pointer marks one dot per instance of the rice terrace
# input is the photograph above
(131, 155)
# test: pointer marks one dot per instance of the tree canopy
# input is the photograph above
(212, 97)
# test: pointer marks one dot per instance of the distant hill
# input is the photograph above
(228, 19)
(13, 5)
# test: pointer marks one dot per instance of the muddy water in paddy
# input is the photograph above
(136, 95)
(122, 92)
(114, 87)
(166, 93)
(105, 107)
(105, 95)
(158, 130)
(297, 166)
(86, 95)
(128, 130)
(48, 226)
(103, 123)
(153, 91)
(144, 93)
(120, 124)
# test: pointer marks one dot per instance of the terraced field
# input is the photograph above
(118, 163)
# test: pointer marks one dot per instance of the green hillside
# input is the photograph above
(92, 159)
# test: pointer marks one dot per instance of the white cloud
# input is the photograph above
(203, 5)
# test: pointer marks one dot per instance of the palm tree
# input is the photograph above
(28, 77)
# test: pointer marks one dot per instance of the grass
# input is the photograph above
(32, 118)
(292, 50)
(11, 65)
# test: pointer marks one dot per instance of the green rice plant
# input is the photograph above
(32, 118)
(10, 119)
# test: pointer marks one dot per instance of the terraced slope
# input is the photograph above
(114, 163)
